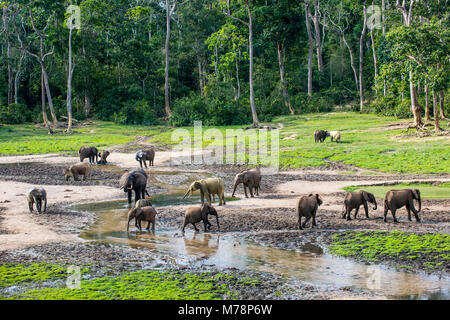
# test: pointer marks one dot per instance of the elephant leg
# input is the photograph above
(145, 164)
(300, 223)
(45, 205)
(356, 212)
(393, 215)
(137, 195)
(195, 227)
(306, 221)
(148, 226)
(349, 213)
(409, 212)
(251, 191)
(39, 206)
(129, 196)
(30, 206)
(153, 227)
(245, 191)
(386, 209)
(314, 224)
(366, 209)
(223, 198)
(184, 225)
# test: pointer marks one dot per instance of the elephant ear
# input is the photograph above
(319, 199)
(416, 194)
(197, 185)
(366, 196)
(205, 210)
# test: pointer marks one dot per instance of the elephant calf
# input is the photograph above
(103, 155)
(37, 196)
(395, 199)
(307, 207)
(146, 155)
(88, 152)
(142, 214)
(354, 200)
(79, 169)
(194, 215)
(251, 179)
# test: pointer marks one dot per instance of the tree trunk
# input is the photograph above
(315, 20)
(311, 48)
(87, 104)
(49, 95)
(375, 61)
(352, 61)
(284, 87)
(436, 112)
(69, 86)
(237, 78)
(427, 104)
(442, 104)
(17, 78)
(252, 93)
(166, 72)
(415, 106)
(361, 60)
(44, 112)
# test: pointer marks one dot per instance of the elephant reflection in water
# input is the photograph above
(202, 244)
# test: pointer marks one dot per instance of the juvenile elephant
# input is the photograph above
(37, 196)
(142, 203)
(353, 200)
(79, 169)
(208, 188)
(334, 135)
(142, 214)
(194, 215)
(395, 199)
(307, 207)
(135, 180)
(251, 179)
(88, 152)
(146, 155)
(103, 155)
(320, 136)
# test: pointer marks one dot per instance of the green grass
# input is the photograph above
(427, 191)
(138, 285)
(428, 251)
(365, 143)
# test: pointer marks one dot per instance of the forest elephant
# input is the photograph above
(320, 136)
(395, 199)
(79, 169)
(354, 200)
(142, 203)
(142, 214)
(208, 188)
(37, 196)
(194, 215)
(135, 180)
(88, 152)
(334, 135)
(251, 179)
(103, 155)
(307, 207)
(146, 155)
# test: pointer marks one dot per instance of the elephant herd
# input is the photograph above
(136, 180)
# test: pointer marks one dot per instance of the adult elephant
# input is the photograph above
(307, 207)
(135, 180)
(320, 136)
(396, 199)
(146, 155)
(208, 188)
(251, 179)
(354, 200)
(88, 152)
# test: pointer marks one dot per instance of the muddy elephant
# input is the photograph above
(77, 170)
(208, 188)
(146, 155)
(320, 136)
(142, 214)
(354, 200)
(334, 135)
(395, 199)
(194, 215)
(135, 180)
(37, 196)
(103, 155)
(251, 179)
(307, 207)
(88, 152)
(142, 203)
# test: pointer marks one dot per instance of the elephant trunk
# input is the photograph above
(420, 205)
(375, 203)
(128, 225)
(217, 219)
(186, 194)
(235, 184)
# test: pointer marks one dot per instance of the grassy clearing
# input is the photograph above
(408, 250)
(139, 285)
(365, 142)
(427, 190)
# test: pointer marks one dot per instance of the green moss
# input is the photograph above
(148, 285)
(16, 274)
(427, 190)
(427, 250)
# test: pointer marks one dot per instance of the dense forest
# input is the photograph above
(222, 62)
